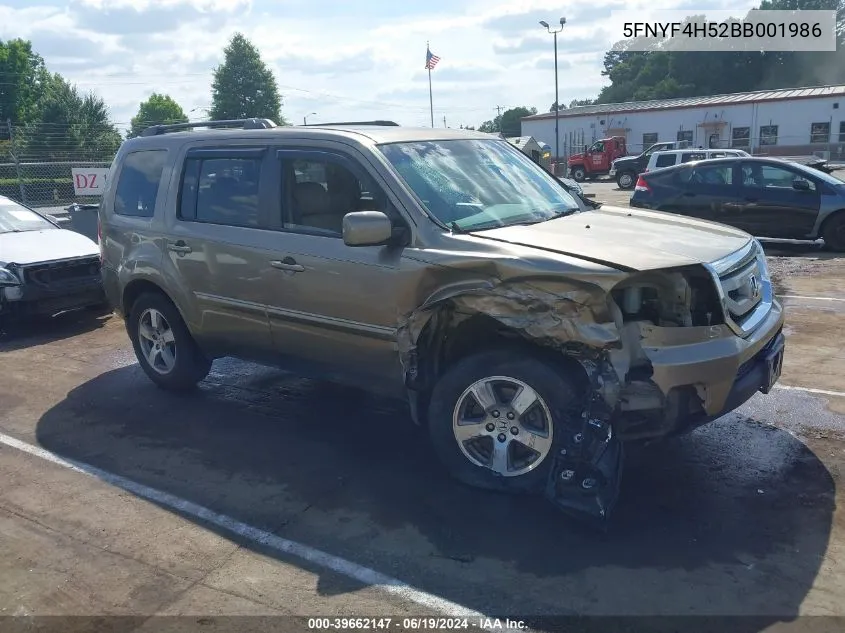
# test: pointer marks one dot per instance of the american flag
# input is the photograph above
(430, 60)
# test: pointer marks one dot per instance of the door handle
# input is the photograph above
(289, 264)
(179, 247)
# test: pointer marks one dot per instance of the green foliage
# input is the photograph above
(509, 123)
(244, 86)
(23, 80)
(69, 125)
(660, 74)
(158, 109)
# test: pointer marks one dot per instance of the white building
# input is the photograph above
(795, 122)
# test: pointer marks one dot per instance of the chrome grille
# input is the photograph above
(744, 288)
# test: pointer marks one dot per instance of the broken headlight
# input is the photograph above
(8, 278)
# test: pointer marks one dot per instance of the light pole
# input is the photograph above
(554, 32)
(305, 118)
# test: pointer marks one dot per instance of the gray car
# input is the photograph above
(530, 334)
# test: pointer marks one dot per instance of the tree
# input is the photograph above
(244, 86)
(555, 107)
(509, 123)
(581, 102)
(70, 125)
(664, 74)
(23, 79)
(158, 109)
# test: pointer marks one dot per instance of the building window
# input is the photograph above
(649, 138)
(768, 135)
(842, 132)
(820, 132)
(685, 135)
(741, 137)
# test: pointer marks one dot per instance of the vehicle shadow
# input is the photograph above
(16, 335)
(732, 519)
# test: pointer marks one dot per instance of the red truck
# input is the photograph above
(597, 159)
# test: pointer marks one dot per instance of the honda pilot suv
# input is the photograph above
(531, 336)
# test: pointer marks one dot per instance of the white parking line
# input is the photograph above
(314, 556)
(811, 298)
(823, 392)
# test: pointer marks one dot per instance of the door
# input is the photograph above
(597, 158)
(334, 307)
(778, 200)
(708, 191)
(218, 246)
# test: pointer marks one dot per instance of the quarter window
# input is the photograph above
(138, 183)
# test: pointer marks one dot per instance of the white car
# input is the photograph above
(44, 269)
(671, 157)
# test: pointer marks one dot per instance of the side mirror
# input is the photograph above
(800, 185)
(366, 228)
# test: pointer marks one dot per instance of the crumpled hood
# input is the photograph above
(630, 239)
(29, 247)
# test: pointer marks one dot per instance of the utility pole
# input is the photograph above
(554, 32)
(499, 118)
(444, 121)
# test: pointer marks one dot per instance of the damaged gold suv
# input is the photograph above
(530, 333)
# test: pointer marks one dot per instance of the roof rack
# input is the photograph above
(244, 124)
(376, 123)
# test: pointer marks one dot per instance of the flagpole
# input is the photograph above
(430, 94)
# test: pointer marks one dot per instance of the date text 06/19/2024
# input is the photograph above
(414, 623)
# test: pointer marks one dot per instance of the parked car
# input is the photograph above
(626, 169)
(668, 158)
(529, 334)
(44, 269)
(766, 197)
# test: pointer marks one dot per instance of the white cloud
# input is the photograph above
(343, 60)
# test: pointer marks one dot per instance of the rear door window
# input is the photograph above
(664, 160)
(688, 157)
(712, 175)
(138, 183)
(222, 189)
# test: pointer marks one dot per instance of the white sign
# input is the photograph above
(89, 181)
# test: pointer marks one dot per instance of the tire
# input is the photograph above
(188, 366)
(626, 180)
(834, 233)
(579, 174)
(557, 400)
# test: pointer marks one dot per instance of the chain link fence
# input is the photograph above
(37, 165)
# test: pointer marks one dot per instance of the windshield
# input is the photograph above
(479, 184)
(15, 218)
(817, 173)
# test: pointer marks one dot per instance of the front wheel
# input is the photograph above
(625, 180)
(163, 345)
(496, 418)
(834, 233)
(579, 174)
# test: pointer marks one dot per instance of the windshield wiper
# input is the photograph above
(455, 228)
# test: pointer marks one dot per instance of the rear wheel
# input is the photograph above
(579, 174)
(495, 419)
(163, 345)
(625, 180)
(834, 233)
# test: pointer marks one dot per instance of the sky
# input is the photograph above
(334, 59)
